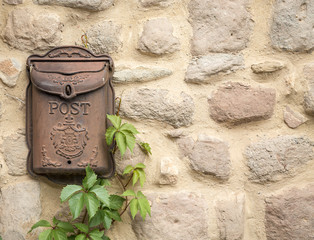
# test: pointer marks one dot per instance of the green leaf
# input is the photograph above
(45, 235)
(134, 207)
(142, 176)
(113, 214)
(97, 219)
(90, 178)
(82, 227)
(144, 207)
(72, 237)
(59, 235)
(115, 120)
(80, 237)
(136, 176)
(55, 221)
(140, 165)
(105, 182)
(107, 220)
(92, 204)
(129, 192)
(129, 127)
(96, 233)
(76, 204)
(68, 191)
(146, 148)
(121, 142)
(65, 226)
(130, 140)
(41, 223)
(110, 134)
(116, 202)
(101, 193)
(127, 169)
(105, 238)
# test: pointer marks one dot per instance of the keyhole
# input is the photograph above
(68, 90)
(69, 162)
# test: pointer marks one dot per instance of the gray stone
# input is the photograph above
(309, 95)
(13, 2)
(15, 154)
(289, 214)
(231, 216)
(168, 171)
(27, 29)
(138, 156)
(235, 103)
(178, 215)
(219, 25)
(292, 26)
(272, 159)
(13, 235)
(10, 70)
(210, 156)
(140, 74)
(158, 104)
(267, 67)
(20, 208)
(157, 37)
(292, 118)
(186, 145)
(92, 5)
(155, 3)
(176, 133)
(201, 69)
(104, 37)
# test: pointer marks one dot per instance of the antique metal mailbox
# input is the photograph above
(69, 94)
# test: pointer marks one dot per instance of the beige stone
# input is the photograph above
(273, 159)
(267, 67)
(219, 25)
(155, 3)
(231, 215)
(168, 171)
(157, 37)
(186, 145)
(95, 5)
(27, 29)
(10, 70)
(210, 156)
(292, 118)
(176, 215)
(308, 72)
(289, 214)
(13, 2)
(237, 103)
(160, 105)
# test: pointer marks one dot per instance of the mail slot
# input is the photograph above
(69, 94)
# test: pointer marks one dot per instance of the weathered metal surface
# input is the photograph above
(69, 95)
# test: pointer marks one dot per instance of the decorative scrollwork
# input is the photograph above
(61, 80)
(93, 161)
(69, 52)
(46, 161)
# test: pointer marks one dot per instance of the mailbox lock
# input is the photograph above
(68, 90)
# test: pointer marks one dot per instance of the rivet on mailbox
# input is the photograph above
(69, 94)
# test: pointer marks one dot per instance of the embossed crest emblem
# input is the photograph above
(69, 138)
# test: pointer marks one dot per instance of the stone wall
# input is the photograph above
(223, 90)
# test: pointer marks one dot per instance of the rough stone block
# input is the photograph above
(289, 214)
(219, 25)
(231, 217)
(292, 26)
(15, 153)
(201, 69)
(309, 95)
(10, 70)
(236, 103)
(272, 159)
(179, 215)
(210, 156)
(104, 37)
(13, 2)
(155, 3)
(20, 208)
(292, 118)
(94, 5)
(27, 29)
(157, 37)
(168, 172)
(139, 74)
(267, 67)
(158, 104)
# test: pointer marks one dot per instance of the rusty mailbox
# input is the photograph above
(69, 94)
